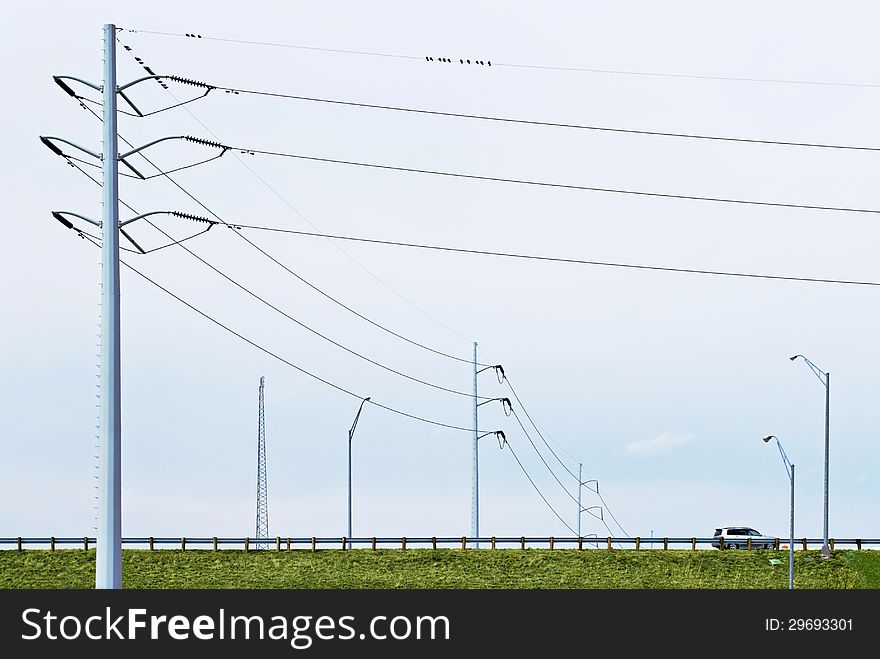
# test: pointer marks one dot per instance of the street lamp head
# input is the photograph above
(767, 438)
(793, 357)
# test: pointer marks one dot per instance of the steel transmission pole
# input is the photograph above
(580, 485)
(826, 551)
(108, 571)
(475, 465)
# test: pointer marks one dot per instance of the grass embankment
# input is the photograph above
(445, 568)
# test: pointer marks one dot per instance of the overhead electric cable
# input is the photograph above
(278, 357)
(540, 494)
(549, 184)
(341, 51)
(529, 417)
(551, 124)
(579, 461)
(287, 201)
(549, 468)
(554, 259)
(272, 306)
(295, 274)
(516, 65)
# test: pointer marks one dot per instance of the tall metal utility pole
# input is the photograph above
(580, 485)
(475, 464)
(262, 488)
(108, 565)
(108, 571)
(826, 549)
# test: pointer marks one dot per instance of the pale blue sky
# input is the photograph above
(661, 384)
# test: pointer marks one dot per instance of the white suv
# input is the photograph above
(737, 537)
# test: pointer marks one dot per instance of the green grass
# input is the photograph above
(445, 568)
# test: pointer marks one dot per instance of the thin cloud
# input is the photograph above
(658, 444)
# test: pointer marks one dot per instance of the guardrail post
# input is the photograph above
(749, 543)
(150, 541)
(314, 543)
(463, 543)
(693, 544)
(609, 543)
(776, 544)
(859, 544)
(86, 543)
(665, 543)
(522, 542)
(493, 542)
(52, 543)
(434, 542)
(804, 540)
(403, 542)
(343, 542)
(831, 544)
(580, 543)
(638, 542)
(183, 544)
(214, 543)
(288, 544)
(18, 543)
(720, 543)
(247, 544)
(374, 543)
(277, 543)
(551, 543)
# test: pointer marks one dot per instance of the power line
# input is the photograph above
(310, 223)
(275, 308)
(282, 359)
(535, 426)
(540, 434)
(608, 508)
(529, 417)
(338, 387)
(657, 74)
(325, 337)
(301, 215)
(551, 124)
(540, 494)
(538, 430)
(295, 274)
(548, 184)
(555, 259)
(248, 42)
(515, 65)
(335, 386)
(549, 468)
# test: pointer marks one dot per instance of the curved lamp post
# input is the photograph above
(789, 470)
(350, 435)
(825, 379)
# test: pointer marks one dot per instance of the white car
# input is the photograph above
(737, 537)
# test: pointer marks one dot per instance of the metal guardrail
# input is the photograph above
(463, 542)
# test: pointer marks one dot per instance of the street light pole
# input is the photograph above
(789, 470)
(791, 538)
(350, 435)
(825, 379)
